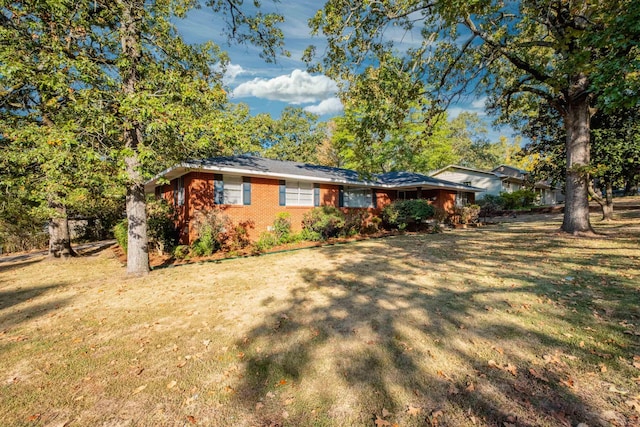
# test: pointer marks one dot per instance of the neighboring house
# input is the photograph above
(255, 190)
(487, 180)
(502, 179)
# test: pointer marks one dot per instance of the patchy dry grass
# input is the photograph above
(512, 324)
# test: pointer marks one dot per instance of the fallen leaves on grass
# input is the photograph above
(414, 410)
(172, 384)
(633, 404)
(381, 422)
(507, 368)
(139, 389)
(537, 375)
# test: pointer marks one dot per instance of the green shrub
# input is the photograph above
(161, 228)
(402, 212)
(121, 233)
(210, 227)
(181, 251)
(237, 237)
(282, 227)
(325, 221)
(309, 235)
(518, 199)
(490, 205)
(265, 242)
(465, 214)
(354, 222)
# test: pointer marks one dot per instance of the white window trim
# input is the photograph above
(360, 195)
(179, 189)
(298, 193)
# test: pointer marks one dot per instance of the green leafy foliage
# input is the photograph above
(161, 228)
(121, 233)
(400, 213)
(519, 54)
(294, 136)
(324, 221)
(282, 227)
(210, 228)
(519, 199)
(265, 242)
(465, 214)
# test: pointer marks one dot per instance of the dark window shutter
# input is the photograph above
(282, 195)
(158, 192)
(374, 198)
(218, 189)
(246, 190)
(341, 196)
(316, 194)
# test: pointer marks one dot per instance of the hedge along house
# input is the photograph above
(254, 190)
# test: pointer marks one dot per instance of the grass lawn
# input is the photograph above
(509, 325)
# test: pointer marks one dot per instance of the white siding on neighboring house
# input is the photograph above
(490, 183)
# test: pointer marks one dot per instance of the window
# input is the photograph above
(466, 183)
(178, 192)
(357, 198)
(462, 199)
(232, 190)
(298, 193)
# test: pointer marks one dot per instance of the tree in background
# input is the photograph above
(615, 158)
(572, 55)
(295, 136)
(51, 163)
(472, 148)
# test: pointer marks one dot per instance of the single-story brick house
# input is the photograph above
(255, 189)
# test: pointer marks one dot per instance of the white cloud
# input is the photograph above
(476, 106)
(297, 88)
(232, 72)
(479, 103)
(328, 106)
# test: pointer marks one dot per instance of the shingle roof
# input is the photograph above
(406, 179)
(258, 166)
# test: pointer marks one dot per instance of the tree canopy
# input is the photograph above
(572, 55)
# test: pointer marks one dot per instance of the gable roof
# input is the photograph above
(279, 169)
(510, 171)
(464, 168)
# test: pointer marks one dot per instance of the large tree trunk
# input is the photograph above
(59, 237)
(577, 119)
(137, 241)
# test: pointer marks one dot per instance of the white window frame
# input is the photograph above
(179, 191)
(355, 197)
(232, 190)
(298, 193)
(462, 199)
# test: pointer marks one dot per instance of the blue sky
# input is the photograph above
(269, 88)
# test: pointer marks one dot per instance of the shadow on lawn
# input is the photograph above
(372, 311)
(11, 316)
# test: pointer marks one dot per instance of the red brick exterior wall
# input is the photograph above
(260, 214)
